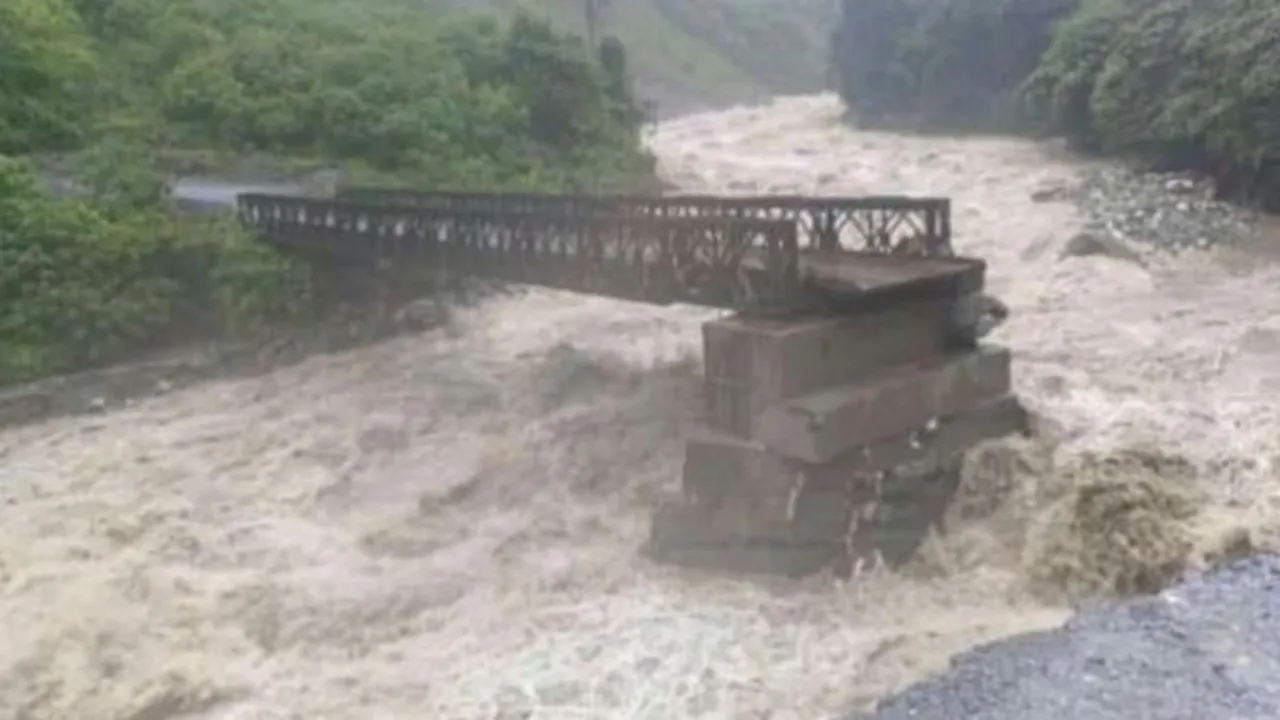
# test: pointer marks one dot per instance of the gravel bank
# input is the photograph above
(1172, 211)
(1207, 649)
(1165, 213)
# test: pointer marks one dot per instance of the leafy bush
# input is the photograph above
(44, 58)
(1059, 92)
(79, 288)
(1177, 83)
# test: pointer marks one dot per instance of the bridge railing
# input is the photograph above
(731, 262)
(860, 224)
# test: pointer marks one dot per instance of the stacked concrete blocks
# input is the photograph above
(832, 438)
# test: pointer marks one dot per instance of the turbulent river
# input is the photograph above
(446, 525)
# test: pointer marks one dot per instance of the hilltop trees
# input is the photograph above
(398, 87)
(1179, 83)
(1176, 83)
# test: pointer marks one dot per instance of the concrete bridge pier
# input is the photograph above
(832, 440)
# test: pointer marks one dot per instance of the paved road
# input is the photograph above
(1208, 649)
(209, 195)
(197, 194)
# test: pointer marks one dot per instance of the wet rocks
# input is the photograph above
(1052, 193)
(1155, 211)
(1128, 212)
(1092, 244)
(421, 314)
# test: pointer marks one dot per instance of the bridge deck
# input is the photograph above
(851, 282)
(646, 251)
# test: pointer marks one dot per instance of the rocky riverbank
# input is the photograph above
(1207, 649)
(1163, 211)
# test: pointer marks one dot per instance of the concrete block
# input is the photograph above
(747, 491)
(752, 363)
(953, 435)
(680, 534)
(820, 427)
(721, 468)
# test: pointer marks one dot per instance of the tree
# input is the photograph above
(44, 58)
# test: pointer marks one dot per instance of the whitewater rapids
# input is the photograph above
(445, 525)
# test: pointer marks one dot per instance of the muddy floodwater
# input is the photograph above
(446, 525)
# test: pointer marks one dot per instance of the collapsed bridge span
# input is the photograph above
(839, 397)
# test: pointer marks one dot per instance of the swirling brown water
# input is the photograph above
(446, 525)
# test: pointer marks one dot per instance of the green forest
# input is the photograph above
(1172, 84)
(123, 91)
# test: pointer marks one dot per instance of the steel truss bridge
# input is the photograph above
(733, 252)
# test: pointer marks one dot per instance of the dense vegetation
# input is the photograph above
(396, 85)
(1175, 83)
(389, 87)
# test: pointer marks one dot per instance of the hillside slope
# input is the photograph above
(686, 54)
